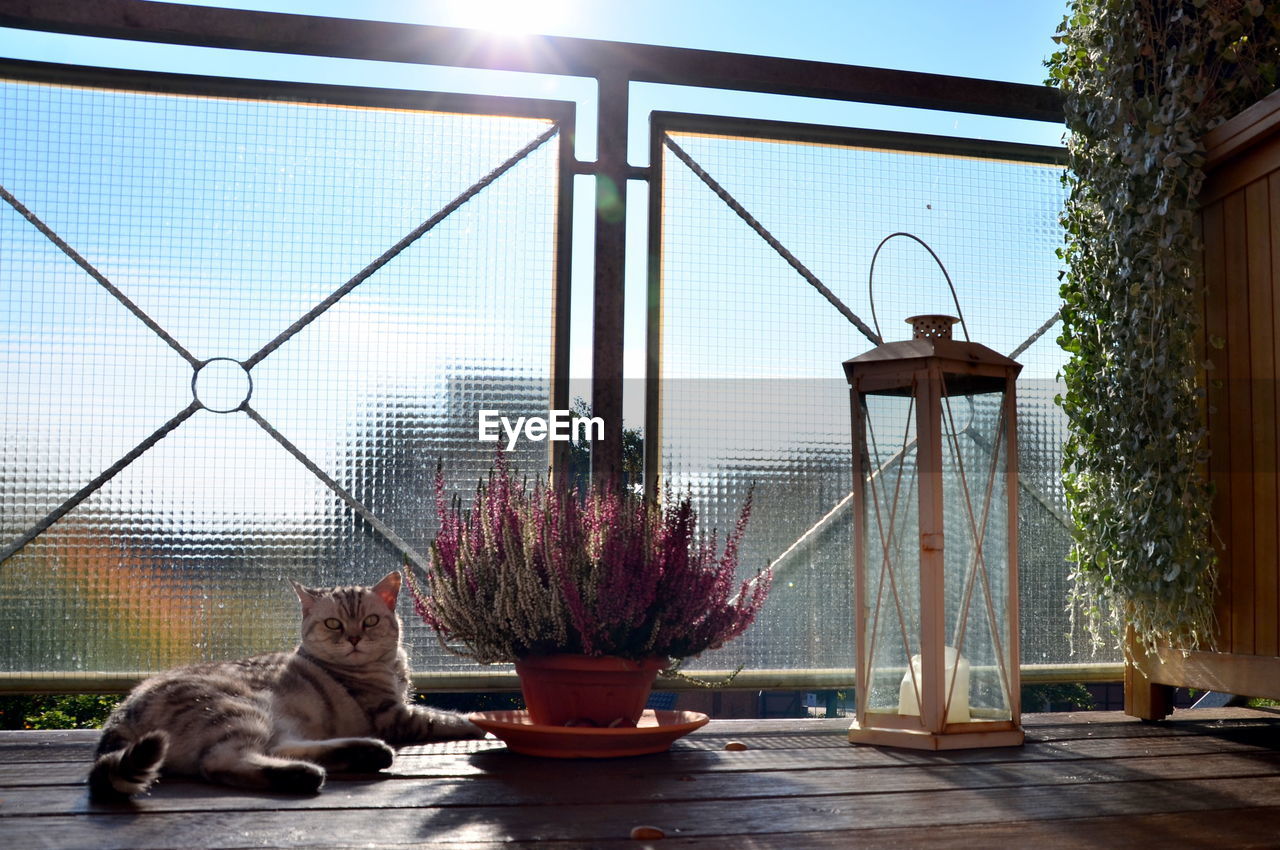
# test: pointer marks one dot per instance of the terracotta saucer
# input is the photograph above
(655, 733)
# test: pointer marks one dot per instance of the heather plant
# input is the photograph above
(540, 570)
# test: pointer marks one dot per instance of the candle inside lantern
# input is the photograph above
(957, 667)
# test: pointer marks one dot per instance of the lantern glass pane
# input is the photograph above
(976, 563)
(890, 618)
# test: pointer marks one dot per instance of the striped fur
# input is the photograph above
(279, 721)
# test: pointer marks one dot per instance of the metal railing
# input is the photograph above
(615, 68)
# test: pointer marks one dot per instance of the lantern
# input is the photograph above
(935, 527)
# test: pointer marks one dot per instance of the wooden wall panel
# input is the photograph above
(1240, 227)
(1218, 407)
(1238, 530)
(1271, 610)
(1262, 387)
(1240, 232)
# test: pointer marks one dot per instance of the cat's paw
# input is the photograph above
(361, 757)
(299, 777)
(474, 731)
(451, 725)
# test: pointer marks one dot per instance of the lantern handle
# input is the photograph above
(870, 278)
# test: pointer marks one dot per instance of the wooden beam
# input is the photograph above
(1228, 673)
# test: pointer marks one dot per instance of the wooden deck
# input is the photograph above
(1206, 778)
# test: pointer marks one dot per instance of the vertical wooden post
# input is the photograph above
(933, 615)
(1143, 698)
(610, 263)
(563, 296)
(653, 320)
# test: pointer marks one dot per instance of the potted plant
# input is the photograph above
(1165, 225)
(1143, 82)
(583, 592)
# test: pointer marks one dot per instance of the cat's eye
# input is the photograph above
(333, 623)
(371, 621)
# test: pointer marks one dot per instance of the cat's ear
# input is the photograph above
(305, 596)
(388, 589)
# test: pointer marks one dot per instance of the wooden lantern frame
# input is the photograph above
(931, 370)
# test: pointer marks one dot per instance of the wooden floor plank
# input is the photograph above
(1238, 828)
(416, 763)
(643, 787)
(394, 827)
(434, 767)
(796, 732)
(1084, 780)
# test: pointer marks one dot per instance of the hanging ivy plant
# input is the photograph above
(1143, 81)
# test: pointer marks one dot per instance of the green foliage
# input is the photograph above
(580, 454)
(1143, 81)
(1056, 696)
(61, 711)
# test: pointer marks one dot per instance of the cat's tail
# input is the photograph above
(129, 769)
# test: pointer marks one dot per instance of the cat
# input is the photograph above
(279, 721)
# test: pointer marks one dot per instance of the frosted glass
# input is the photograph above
(224, 221)
(752, 386)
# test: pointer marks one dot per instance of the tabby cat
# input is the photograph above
(278, 721)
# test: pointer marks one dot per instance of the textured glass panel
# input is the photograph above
(975, 577)
(156, 493)
(752, 389)
(891, 523)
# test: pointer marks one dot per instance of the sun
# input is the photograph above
(521, 17)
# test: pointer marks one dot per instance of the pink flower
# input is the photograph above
(537, 570)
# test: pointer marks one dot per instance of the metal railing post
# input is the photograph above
(610, 262)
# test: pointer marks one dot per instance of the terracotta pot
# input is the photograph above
(582, 690)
